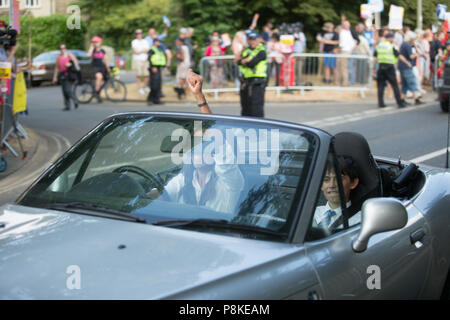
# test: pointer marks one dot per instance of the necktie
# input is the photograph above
(328, 215)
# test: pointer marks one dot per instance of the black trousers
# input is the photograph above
(252, 98)
(386, 72)
(277, 72)
(68, 94)
(155, 85)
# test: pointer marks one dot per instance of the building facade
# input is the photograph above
(38, 8)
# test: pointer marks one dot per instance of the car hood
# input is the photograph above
(44, 254)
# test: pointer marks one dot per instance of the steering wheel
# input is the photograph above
(157, 181)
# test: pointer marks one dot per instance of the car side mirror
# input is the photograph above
(379, 215)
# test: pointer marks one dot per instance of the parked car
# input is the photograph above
(43, 66)
(443, 85)
(120, 216)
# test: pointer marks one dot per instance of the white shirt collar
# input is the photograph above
(320, 215)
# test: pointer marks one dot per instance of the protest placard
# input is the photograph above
(441, 9)
(366, 11)
(377, 5)
(396, 17)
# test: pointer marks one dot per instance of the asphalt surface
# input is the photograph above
(415, 133)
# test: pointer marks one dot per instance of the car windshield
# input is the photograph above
(164, 168)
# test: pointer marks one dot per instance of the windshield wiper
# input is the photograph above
(217, 223)
(93, 209)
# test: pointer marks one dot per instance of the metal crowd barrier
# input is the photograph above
(436, 82)
(302, 72)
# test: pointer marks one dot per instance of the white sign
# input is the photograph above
(366, 11)
(396, 17)
(166, 21)
(377, 5)
(441, 9)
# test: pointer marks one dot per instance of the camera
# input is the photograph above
(7, 35)
(291, 28)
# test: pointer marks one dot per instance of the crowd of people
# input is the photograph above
(340, 62)
(217, 69)
(343, 47)
(424, 51)
(417, 56)
(151, 57)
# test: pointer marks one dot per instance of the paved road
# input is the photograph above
(417, 133)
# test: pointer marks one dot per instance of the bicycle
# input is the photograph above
(114, 89)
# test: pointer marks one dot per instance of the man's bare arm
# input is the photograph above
(195, 82)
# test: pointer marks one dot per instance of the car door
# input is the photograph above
(394, 265)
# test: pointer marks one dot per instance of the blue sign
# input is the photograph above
(441, 9)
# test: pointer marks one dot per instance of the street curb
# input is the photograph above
(18, 162)
(177, 102)
(271, 101)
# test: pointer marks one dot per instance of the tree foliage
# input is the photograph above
(232, 15)
(116, 20)
(47, 34)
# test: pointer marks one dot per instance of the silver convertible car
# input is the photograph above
(160, 205)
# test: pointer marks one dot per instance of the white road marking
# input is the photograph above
(332, 121)
(429, 156)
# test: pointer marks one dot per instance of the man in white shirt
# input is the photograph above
(299, 47)
(216, 185)
(363, 48)
(326, 216)
(210, 180)
(140, 61)
(347, 44)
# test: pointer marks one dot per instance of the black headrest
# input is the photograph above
(355, 145)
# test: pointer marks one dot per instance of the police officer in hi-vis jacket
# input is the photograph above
(158, 61)
(253, 67)
(387, 55)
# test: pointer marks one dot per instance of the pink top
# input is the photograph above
(62, 63)
(275, 50)
(210, 51)
(98, 54)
